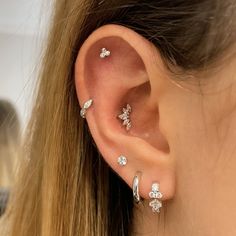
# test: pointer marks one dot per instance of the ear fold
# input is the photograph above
(126, 76)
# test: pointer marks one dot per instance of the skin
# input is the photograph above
(183, 134)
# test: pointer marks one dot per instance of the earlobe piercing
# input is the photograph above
(85, 107)
(136, 181)
(122, 160)
(105, 53)
(125, 117)
(155, 194)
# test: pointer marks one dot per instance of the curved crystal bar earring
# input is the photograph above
(125, 117)
(85, 107)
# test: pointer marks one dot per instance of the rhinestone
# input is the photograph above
(104, 53)
(128, 127)
(155, 187)
(156, 205)
(88, 104)
(83, 113)
(122, 160)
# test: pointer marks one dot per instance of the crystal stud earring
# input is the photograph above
(155, 194)
(104, 53)
(122, 160)
(125, 117)
(85, 107)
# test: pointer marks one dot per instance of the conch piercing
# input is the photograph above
(155, 194)
(105, 53)
(122, 160)
(85, 107)
(125, 117)
(136, 181)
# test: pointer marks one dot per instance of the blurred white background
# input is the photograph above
(22, 29)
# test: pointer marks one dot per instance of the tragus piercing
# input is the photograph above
(125, 117)
(105, 53)
(155, 194)
(122, 160)
(85, 107)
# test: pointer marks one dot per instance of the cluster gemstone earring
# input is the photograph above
(155, 195)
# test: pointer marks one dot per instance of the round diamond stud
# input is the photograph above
(122, 160)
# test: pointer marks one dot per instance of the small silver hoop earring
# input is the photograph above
(85, 107)
(155, 195)
(136, 181)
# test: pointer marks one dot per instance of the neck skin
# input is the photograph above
(204, 205)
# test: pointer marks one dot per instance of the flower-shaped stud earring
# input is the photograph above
(122, 160)
(104, 53)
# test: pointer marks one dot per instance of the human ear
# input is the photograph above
(133, 73)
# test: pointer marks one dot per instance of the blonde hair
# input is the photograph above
(66, 188)
(9, 141)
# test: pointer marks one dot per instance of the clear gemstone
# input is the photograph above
(125, 111)
(122, 160)
(151, 195)
(123, 117)
(105, 53)
(88, 104)
(156, 205)
(128, 127)
(83, 113)
(158, 195)
(155, 187)
(129, 108)
(126, 122)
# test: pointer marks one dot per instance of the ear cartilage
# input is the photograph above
(125, 117)
(104, 53)
(122, 160)
(155, 195)
(85, 107)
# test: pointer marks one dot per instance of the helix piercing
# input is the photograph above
(85, 107)
(104, 53)
(155, 194)
(122, 160)
(136, 181)
(125, 117)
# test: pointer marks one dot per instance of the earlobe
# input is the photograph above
(114, 74)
